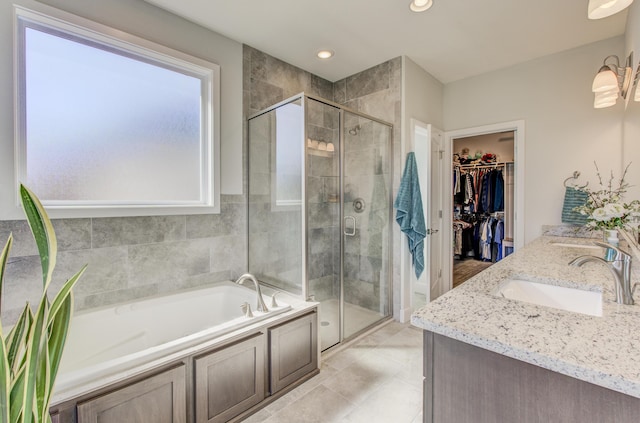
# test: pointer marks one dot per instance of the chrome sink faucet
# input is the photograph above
(261, 306)
(620, 268)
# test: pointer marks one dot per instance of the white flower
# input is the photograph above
(600, 214)
(615, 210)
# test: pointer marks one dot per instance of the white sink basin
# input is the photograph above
(569, 299)
(566, 244)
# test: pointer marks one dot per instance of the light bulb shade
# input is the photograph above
(605, 80)
(422, 5)
(607, 95)
(602, 102)
(599, 9)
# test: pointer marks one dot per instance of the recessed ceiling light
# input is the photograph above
(420, 5)
(325, 54)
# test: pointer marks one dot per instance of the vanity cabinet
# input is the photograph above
(294, 351)
(230, 380)
(467, 384)
(156, 399)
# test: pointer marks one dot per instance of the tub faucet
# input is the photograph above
(261, 306)
(620, 268)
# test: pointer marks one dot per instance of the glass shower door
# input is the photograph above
(323, 215)
(366, 218)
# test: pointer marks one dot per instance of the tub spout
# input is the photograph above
(261, 306)
(620, 268)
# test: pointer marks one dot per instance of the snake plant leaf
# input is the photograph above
(63, 294)
(17, 396)
(42, 386)
(58, 331)
(4, 256)
(5, 380)
(43, 233)
(35, 344)
(16, 341)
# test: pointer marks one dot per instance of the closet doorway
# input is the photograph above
(485, 197)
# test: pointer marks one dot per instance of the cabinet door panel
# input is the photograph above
(294, 350)
(230, 380)
(157, 399)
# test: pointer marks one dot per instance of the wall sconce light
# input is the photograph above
(422, 5)
(612, 81)
(599, 9)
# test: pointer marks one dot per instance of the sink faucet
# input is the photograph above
(261, 306)
(620, 268)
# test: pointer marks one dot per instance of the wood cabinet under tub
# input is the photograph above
(157, 399)
(230, 380)
(294, 351)
(221, 383)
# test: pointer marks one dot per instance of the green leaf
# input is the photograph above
(5, 381)
(43, 233)
(4, 256)
(16, 344)
(35, 345)
(17, 397)
(58, 332)
(64, 292)
(42, 387)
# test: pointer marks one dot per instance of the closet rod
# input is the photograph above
(482, 166)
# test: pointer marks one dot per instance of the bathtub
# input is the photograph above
(113, 340)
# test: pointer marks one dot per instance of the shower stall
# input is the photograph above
(320, 210)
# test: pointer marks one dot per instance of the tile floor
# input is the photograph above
(376, 378)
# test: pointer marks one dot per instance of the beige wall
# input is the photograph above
(422, 96)
(563, 131)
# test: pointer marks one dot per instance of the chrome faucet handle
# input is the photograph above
(274, 303)
(246, 310)
(620, 254)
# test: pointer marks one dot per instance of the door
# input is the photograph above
(428, 148)
(366, 209)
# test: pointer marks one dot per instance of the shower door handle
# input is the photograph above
(346, 229)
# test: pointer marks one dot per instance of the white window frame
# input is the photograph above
(81, 28)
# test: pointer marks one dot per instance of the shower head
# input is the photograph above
(354, 130)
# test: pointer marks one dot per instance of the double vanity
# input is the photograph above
(533, 339)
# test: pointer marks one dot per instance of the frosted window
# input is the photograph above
(102, 125)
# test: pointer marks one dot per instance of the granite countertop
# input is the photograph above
(601, 350)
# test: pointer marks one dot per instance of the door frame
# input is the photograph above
(518, 126)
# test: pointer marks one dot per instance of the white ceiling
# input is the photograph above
(453, 40)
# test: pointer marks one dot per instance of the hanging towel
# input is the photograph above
(574, 198)
(410, 215)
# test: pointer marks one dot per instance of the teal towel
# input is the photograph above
(574, 198)
(410, 215)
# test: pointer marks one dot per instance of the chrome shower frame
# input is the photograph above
(304, 98)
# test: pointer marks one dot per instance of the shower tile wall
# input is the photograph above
(129, 257)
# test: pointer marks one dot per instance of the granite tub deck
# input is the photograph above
(602, 350)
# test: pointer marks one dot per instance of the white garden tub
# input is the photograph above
(114, 339)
